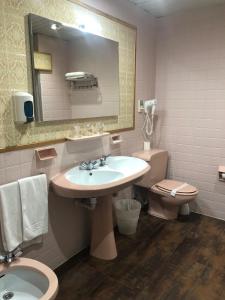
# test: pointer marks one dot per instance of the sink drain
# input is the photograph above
(8, 295)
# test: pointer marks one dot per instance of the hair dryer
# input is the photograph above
(148, 127)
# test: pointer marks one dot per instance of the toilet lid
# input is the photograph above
(167, 186)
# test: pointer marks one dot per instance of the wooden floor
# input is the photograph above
(164, 260)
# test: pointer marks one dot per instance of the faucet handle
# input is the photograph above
(7, 258)
(93, 164)
(11, 256)
(2, 259)
(106, 156)
(103, 160)
(18, 252)
(83, 165)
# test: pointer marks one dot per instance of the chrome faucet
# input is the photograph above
(103, 160)
(88, 165)
(11, 256)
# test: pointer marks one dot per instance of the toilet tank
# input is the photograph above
(158, 161)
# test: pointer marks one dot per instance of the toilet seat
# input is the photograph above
(165, 196)
(173, 188)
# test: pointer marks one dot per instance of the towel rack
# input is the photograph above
(82, 82)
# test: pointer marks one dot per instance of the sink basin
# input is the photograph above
(117, 167)
(93, 177)
(126, 164)
(27, 279)
(118, 173)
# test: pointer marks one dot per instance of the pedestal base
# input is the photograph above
(161, 209)
(103, 244)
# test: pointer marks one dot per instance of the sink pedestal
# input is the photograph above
(103, 244)
(119, 173)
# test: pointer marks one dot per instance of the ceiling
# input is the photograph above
(162, 8)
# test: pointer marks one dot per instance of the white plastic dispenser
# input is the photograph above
(23, 107)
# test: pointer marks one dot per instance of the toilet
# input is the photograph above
(166, 196)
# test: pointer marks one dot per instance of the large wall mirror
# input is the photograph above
(75, 73)
(117, 115)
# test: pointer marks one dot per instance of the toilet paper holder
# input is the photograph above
(221, 171)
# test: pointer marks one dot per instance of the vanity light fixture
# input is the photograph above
(89, 24)
(55, 26)
(81, 27)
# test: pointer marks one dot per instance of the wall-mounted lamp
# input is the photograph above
(56, 26)
(89, 24)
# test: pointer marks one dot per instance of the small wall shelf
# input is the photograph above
(88, 137)
(46, 153)
(82, 80)
(116, 139)
(221, 171)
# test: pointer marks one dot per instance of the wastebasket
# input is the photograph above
(127, 215)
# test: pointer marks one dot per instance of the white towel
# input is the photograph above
(82, 76)
(11, 216)
(34, 202)
(75, 75)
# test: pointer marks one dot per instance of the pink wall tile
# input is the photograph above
(68, 223)
(190, 87)
(55, 96)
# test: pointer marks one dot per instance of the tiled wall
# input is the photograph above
(54, 89)
(101, 58)
(190, 87)
(15, 70)
(69, 224)
(59, 100)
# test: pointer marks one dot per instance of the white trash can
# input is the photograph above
(127, 215)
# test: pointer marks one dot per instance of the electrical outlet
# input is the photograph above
(140, 105)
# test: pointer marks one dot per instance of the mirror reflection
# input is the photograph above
(75, 73)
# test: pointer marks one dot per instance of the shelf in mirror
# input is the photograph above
(88, 137)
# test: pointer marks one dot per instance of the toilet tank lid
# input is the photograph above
(148, 154)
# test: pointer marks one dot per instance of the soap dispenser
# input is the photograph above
(23, 107)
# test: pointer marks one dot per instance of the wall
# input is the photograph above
(190, 87)
(59, 100)
(54, 89)
(68, 222)
(99, 57)
(69, 229)
(15, 68)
